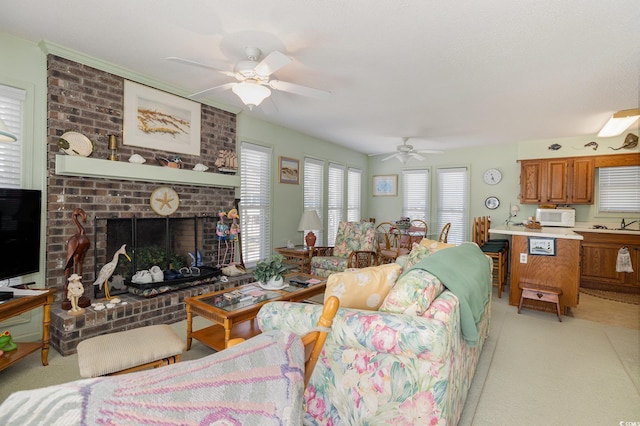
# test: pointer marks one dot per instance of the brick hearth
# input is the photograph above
(69, 330)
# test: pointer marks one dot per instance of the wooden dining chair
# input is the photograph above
(498, 250)
(444, 233)
(416, 232)
(388, 243)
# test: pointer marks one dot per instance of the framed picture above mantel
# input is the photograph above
(159, 120)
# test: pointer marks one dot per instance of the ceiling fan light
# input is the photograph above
(251, 94)
(619, 122)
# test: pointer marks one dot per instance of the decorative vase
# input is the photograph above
(274, 283)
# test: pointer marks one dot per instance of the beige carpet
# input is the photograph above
(533, 370)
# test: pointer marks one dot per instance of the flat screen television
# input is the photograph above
(20, 214)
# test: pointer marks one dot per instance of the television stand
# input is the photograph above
(17, 306)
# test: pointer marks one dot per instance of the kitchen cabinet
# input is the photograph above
(599, 256)
(557, 180)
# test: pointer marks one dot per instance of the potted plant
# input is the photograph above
(269, 272)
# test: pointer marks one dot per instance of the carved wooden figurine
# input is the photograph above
(77, 247)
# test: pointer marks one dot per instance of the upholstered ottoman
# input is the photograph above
(129, 351)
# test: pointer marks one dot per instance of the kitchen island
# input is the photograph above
(552, 260)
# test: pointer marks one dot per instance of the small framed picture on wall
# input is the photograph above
(289, 170)
(385, 186)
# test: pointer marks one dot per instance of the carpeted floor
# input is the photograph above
(631, 298)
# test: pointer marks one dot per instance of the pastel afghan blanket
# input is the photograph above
(461, 269)
(259, 382)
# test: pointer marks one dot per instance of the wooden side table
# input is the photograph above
(299, 256)
(19, 305)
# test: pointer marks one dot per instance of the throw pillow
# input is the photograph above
(413, 293)
(434, 245)
(364, 288)
(418, 252)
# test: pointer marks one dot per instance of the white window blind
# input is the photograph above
(255, 195)
(619, 189)
(354, 193)
(11, 100)
(335, 201)
(453, 204)
(314, 192)
(415, 194)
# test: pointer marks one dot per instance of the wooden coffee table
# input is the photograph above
(236, 318)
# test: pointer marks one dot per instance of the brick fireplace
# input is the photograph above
(90, 101)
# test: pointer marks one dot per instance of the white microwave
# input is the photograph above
(556, 217)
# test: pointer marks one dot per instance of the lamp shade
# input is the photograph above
(310, 220)
(251, 94)
(5, 134)
(619, 122)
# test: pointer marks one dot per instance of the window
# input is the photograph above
(354, 193)
(618, 189)
(453, 205)
(335, 201)
(11, 101)
(415, 194)
(314, 191)
(255, 192)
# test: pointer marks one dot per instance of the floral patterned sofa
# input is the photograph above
(408, 363)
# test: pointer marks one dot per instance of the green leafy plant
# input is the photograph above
(269, 268)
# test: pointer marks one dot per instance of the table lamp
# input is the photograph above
(310, 220)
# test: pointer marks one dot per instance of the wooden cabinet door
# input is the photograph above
(599, 263)
(633, 278)
(582, 181)
(531, 173)
(557, 180)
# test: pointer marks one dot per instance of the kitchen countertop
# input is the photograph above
(558, 232)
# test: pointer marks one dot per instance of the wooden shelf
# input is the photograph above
(14, 356)
(68, 165)
(213, 336)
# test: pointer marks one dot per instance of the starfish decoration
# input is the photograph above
(165, 201)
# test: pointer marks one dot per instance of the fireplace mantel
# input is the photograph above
(69, 165)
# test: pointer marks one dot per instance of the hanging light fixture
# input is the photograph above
(619, 122)
(251, 93)
(5, 134)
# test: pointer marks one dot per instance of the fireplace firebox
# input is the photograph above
(169, 243)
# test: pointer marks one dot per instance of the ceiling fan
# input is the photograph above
(406, 152)
(254, 81)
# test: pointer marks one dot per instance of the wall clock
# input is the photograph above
(492, 203)
(492, 176)
(164, 201)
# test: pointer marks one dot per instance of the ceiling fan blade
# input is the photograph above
(272, 63)
(297, 89)
(416, 156)
(198, 64)
(389, 157)
(204, 92)
(430, 151)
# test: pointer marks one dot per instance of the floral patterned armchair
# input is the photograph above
(354, 242)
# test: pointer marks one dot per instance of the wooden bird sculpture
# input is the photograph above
(107, 270)
(77, 247)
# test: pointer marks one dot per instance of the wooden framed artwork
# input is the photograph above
(289, 170)
(385, 186)
(542, 246)
(158, 120)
